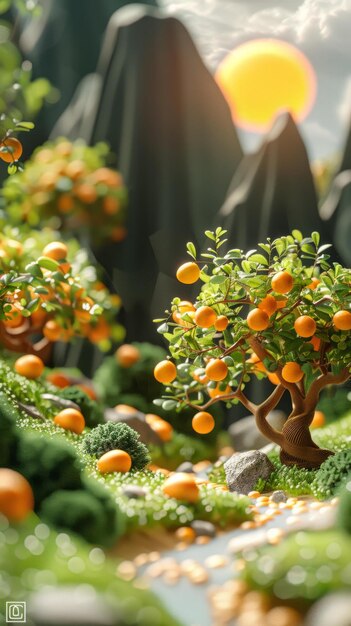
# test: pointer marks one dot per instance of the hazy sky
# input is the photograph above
(320, 28)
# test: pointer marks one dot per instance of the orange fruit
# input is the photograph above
(111, 205)
(64, 148)
(185, 534)
(107, 177)
(282, 282)
(52, 330)
(292, 372)
(58, 379)
(188, 273)
(342, 320)
(281, 303)
(75, 169)
(47, 182)
(316, 343)
(165, 372)
(38, 317)
(313, 284)
(273, 378)
(13, 318)
(14, 148)
(88, 390)
(181, 486)
(200, 376)
(268, 304)
(178, 318)
(126, 408)
(216, 370)
(16, 495)
(256, 361)
(114, 461)
(305, 326)
(205, 317)
(30, 366)
(100, 331)
(86, 193)
(185, 307)
(217, 393)
(118, 234)
(203, 423)
(221, 322)
(257, 320)
(65, 203)
(162, 428)
(318, 419)
(56, 250)
(127, 355)
(70, 419)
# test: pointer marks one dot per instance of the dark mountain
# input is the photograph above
(272, 191)
(154, 101)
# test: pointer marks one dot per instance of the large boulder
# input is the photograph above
(245, 435)
(335, 608)
(137, 422)
(243, 470)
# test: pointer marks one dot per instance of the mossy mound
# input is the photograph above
(117, 436)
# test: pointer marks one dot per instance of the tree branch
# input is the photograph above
(323, 381)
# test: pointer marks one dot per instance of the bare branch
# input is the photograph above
(323, 381)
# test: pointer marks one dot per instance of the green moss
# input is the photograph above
(181, 448)
(117, 436)
(8, 435)
(33, 555)
(344, 510)
(91, 410)
(303, 568)
(332, 474)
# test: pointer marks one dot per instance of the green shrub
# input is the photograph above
(89, 513)
(344, 512)
(8, 432)
(48, 464)
(332, 474)
(120, 436)
(92, 411)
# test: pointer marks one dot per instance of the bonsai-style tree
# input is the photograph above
(282, 311)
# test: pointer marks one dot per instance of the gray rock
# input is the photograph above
(243, 470)
(134, 491)
(203, 528)
(335, 608)
(70, 606)
(185, 467)
(279, 496)
(245, 435)
(136, 421)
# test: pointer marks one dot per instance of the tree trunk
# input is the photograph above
(297, 446)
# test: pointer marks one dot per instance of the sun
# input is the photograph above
(264, 77)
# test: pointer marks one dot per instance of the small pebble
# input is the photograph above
(126, 570)
(201, 541)
(203, 528)
(254, 494)
(153, 556)
(141, 559)
(283, 616)
(216, 561)
(171, 577)
(186, 467)
(198, 576)
(134, 491)
(278, 496)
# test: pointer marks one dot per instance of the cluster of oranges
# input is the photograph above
(62, 308)
(70, 183)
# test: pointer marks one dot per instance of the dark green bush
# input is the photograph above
(117, 436)
(90, 513)
(8, 432)
(134, 385)
(48, 464)
(344, 512)
(332, 474)
(92, 411)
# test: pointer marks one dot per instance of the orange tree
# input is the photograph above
(50, 292)
(283, 312)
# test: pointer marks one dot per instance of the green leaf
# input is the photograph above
(191, 249)
(258, 258)
(34, 270)
(47, 263)
(298, 235)
(210, 235)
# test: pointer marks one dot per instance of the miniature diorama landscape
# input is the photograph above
(175, 329)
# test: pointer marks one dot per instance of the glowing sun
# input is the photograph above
(264, 77)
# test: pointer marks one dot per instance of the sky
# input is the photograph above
(321, 29)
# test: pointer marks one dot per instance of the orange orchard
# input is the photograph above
(301, 342)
